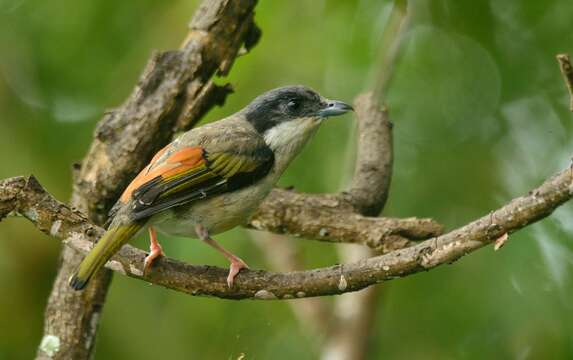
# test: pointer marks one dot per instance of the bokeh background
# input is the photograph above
(480, 112)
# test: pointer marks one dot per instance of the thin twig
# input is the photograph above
(567, 71)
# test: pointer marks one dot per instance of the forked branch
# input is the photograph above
(58, 220)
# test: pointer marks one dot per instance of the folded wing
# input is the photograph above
(193, 173)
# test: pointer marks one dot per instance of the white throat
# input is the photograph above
(288, 138)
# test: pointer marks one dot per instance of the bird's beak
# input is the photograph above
(334, 108)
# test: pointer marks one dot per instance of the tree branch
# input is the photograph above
(373, 172)
(25, 196)
(330, 218)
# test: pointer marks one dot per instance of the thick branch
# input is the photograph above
(329, 218)
(373, 172)
(44, 211)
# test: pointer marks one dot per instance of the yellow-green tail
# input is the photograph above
(109, 244)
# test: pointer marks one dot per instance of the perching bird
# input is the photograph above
(212, 178)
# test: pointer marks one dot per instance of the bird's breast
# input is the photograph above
(218, 214)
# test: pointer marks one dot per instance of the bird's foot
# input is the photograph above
(236, 266)
(155, 251)
(236, 263)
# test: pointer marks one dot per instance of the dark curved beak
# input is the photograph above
(334, 108)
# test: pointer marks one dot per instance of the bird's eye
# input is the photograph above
(293, 105)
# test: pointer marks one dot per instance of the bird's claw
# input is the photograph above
(155, 251)
(236, 266)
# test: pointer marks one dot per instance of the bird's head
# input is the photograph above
(286, 117)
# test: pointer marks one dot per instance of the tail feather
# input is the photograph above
(109, 244)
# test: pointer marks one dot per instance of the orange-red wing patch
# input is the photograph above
(190, 156)
(180, 161)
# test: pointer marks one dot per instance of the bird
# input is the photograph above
(212, 178)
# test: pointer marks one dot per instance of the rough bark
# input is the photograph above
(373, 172)
(44, 211)
(174, 91)
(330, 218)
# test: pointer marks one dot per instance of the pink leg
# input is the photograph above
(236, 263)
(155, 251)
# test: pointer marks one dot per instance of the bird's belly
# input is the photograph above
(217, 214)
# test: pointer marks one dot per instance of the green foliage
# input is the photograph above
(480, 116)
